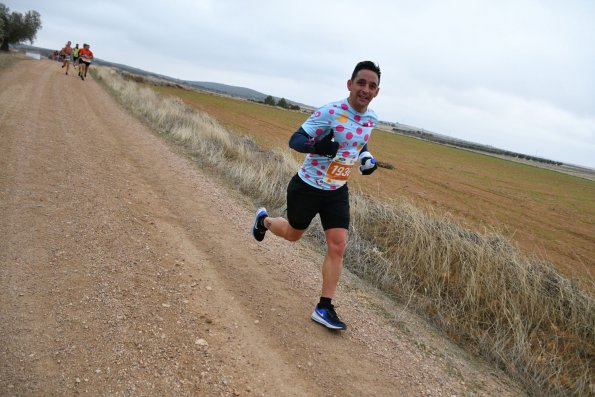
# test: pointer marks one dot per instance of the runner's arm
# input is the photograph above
(301, 142)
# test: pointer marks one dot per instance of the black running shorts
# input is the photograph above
(305, 201)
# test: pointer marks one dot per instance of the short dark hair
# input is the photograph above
(367, 65)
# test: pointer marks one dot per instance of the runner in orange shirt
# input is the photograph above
(67, 53)
(85, 57)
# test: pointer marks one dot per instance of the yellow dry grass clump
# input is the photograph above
(517, 311)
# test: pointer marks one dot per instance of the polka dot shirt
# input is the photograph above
(351, 130)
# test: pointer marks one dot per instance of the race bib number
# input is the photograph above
(339, 170)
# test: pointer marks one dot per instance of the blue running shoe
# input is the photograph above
(328, 317)
(258, 229)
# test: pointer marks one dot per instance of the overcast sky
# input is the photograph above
(518, 75)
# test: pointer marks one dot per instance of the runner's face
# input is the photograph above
(363, 89)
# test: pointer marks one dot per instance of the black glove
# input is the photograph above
(326, 146)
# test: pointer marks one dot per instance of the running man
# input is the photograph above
(67, 53)
(75, 55)
(334, 137)
(85, 57)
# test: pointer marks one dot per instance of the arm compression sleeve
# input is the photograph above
(301, 142)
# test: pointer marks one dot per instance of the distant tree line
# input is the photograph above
(16, 27)
(282, 103)
(473, 146)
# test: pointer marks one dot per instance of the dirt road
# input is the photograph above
(126, 270)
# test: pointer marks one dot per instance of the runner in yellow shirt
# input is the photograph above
(75, 55)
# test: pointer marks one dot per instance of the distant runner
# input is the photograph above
(334, 137)
(75, 55)
(85, 57)
(67, 54)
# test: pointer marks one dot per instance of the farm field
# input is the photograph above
(548, 214)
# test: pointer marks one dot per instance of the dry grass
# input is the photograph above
(519, 312)
(8, 58)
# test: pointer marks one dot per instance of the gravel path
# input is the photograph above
(126, 270)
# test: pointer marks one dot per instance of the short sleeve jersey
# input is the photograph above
(351, 130)
(86, 54)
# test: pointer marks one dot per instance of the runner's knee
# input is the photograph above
(336, 246)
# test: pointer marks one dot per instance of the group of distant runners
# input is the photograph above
(80, 57)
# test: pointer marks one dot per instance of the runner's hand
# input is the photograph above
(326, 146)
(368, 166)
